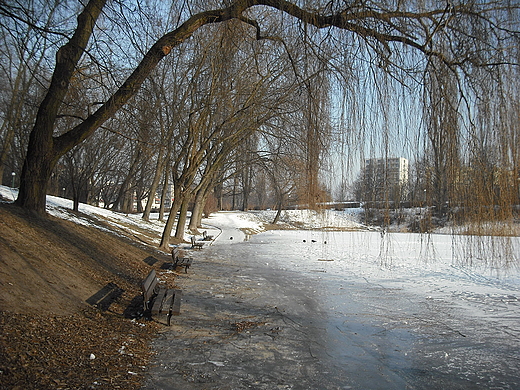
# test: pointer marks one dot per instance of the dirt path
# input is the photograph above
(245, 325)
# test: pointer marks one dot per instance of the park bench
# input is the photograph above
(159, 301)
(205, 236)
(196, 244)
(180, 261)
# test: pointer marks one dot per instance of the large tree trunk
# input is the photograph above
(43, 153)
(196, 213)
(199, 203)
(35, 175)
(167, 232)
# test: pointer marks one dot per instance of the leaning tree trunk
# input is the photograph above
(196, 213)
(155, 184)
(200, 203)
(167, 232)
(37, 169)
(43, 151)
(181, 223)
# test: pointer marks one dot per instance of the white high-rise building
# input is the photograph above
(385, 178)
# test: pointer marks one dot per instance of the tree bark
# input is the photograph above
(167, 232)
(196, 213)
(183, 214)
(201, 196)
(278, 212)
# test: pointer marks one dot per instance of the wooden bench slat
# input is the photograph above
(176, 307)
(158, 303)
(148, 287)
(150, 280)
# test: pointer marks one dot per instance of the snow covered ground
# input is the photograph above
(432, 305)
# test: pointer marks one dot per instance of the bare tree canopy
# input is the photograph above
(476, 41)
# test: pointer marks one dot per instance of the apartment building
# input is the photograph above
(385, 179)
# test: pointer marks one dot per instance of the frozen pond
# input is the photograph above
(391, 311)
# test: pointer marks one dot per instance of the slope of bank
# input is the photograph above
(70, 305)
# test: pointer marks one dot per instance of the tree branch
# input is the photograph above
(348, 19)
(4, 10)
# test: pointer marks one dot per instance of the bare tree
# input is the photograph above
(22, 57)
(382, 34)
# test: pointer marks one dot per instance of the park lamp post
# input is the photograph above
(13, 174)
